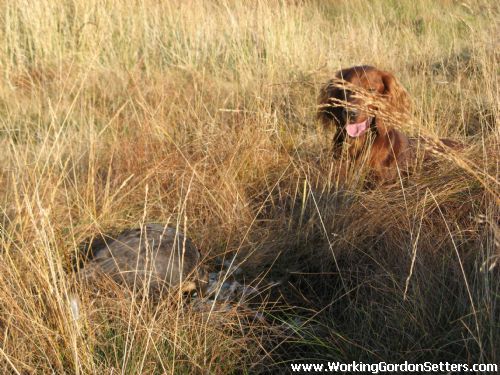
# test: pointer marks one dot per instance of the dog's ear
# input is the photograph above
(397, 97)
(329, 110)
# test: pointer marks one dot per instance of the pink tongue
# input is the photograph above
(355, 130)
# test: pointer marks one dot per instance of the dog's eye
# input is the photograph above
(372, 89)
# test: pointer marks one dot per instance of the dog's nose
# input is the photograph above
(352, 113)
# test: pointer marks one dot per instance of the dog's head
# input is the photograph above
(359, 100)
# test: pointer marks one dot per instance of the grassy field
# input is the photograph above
(202, 114)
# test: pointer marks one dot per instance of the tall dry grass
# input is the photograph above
(202, 114)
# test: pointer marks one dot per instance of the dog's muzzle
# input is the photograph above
(359, 128)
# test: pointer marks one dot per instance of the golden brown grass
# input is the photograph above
(202, 114)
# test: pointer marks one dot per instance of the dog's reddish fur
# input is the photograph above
(364, 93)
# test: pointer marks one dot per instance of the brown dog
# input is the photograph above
(365, 104)
(362, 101)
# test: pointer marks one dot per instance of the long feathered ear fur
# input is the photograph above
(396, 105)
(397, 97)
(330, 113)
